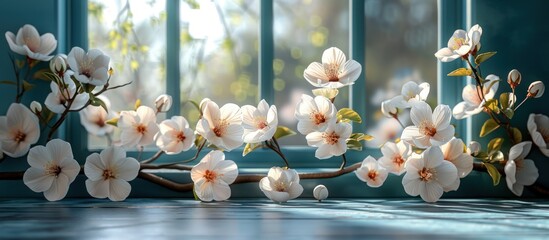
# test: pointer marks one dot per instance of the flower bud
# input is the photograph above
(203, 103)
(536, 89)
(58, 64)
(514, 78)
(473, 148)
(163, 103)
(35, 107)
(320, 192)
(388, 109)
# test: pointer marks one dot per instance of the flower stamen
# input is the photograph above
(318, 118)
(141, 129)
(398, 160)
(332, 71)
(427, 129)
(426, 174)
(19, 137)
(181, 136)
(108, 174)
(210, 176)
(372, 174)
(279, 186)
(53, 170)
(331, 138)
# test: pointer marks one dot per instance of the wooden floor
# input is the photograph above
(261, 219)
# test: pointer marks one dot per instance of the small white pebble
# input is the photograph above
(320, 192)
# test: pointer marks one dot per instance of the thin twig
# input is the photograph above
(153, 158)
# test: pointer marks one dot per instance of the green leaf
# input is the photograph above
(98, 102)
(41, 74)
(509, 113)
(495, 144)
(517, 135)
(492, 104)
(460, 72)
(250, 147)
(88, 88)
(354, 145)
(504, 100)
(282, 131)
(493, 172)
(349, 114)
(489, 126)
(492, 83)
(496, 156)
(361, 137)
(27, 86)
(483, 57)
(137, 104)
(8, 82)
(482, 156)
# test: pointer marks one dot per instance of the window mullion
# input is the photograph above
(452, 15)
(266, 51)
(357, 96)
(172, 56)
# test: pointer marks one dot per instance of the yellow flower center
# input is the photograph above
(331, 138)
(332, 71)
(210, 176)
(108, 174)
(426, 174)
(19, 136)
(458, 43)
(428, 129)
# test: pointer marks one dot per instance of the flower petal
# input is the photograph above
(315, 74)
(520, 150)
(421, 113)
(37, 180)
(126, 168)
(432, 192)
(442, 116)
(221, 191)
(119, 189)
(58, 189)
(528, 173)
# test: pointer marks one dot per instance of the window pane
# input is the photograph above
(401, 39)
(219, 53)
(132, 33)
(303, 29)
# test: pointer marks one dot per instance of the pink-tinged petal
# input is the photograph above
(10, 37)
(204, 191)
(411, 133)
(127, 119)
(389, 149)
(315, 74)
(470, 94)
(445, 55)
(369, 163)
(275, 173)
(146, 114)
(443, 136)
(442, 115)
(58, 189)
(452, 149)
(278, 197)
(362, 173)
(528, 173)
(148, 136)
(460, 111)
(28, 35)
(127, 168)
(463, 50)
(339, 148)
(265, 185)
(305, 107)
(420, 113)
(446, 173)
(315, 139)
(464, 164)
(520, 150)
(37, 179)
(110, 155)
(71, 168)
(203, 127)
(432, 192)
(324, 106)
(433, 157)
(351, 72)
(48, 43)
(227, 171)
(211, 112)
(38, 157)
(334, 55)
(129, 138)
(98, 189)
(221, 191)
(119, 189)
(94, 167)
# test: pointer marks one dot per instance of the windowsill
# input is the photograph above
(261, 219)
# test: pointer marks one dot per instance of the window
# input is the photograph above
(241, 51)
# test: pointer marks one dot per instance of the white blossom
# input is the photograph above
(411, 94)
(314, 114)
(137, 127)
(52, 169)
(371, 172)
(221, 126)
(28, 42)
(259, 123)
(94, 118)
(428, 174)
(472, 98)
(212, 177)
(91, 67)
(163, 103)
(281, 185)
(430, 128)
(395, 156)
(175, 135)
(334, 71)
(332, 141)
(18, 130)
(460, 44)
(58, 99)
(109, 172)
(519, 171)
(453, 152)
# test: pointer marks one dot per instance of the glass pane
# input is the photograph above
(303, 29)
(132, 33)
(401, 39)
(219, 53)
